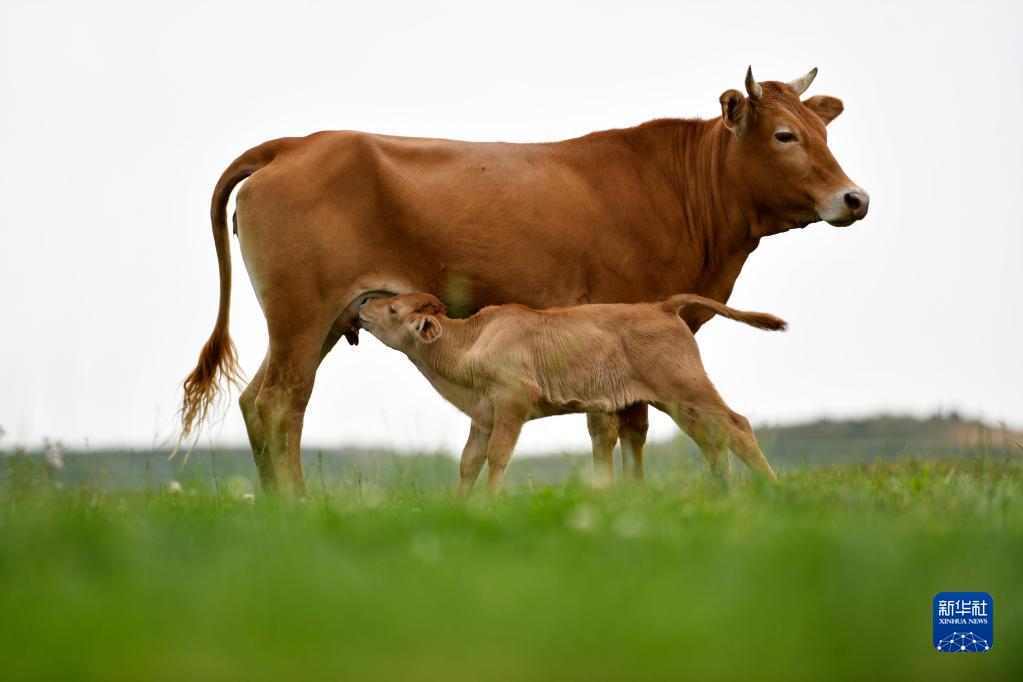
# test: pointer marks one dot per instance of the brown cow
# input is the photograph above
(509, 364)
(327, 221)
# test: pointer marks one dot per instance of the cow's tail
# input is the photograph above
(675, 304)
(218, 359)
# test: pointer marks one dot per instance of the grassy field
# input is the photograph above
(382, 575)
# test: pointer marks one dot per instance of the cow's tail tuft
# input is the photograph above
(218, 360)
(675, 304)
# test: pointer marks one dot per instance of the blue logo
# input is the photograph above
(964, 622)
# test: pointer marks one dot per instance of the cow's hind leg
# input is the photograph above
(254, 425)
(632, 427)
(603, 428)
(280, 404)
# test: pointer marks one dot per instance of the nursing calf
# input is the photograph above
(508, 364)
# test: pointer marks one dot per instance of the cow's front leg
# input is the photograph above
(603, 427)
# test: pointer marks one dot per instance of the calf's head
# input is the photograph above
(781, 159)
(403, 322)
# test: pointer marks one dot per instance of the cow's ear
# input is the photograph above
(735, 110)
(827, 108)
(427, 328)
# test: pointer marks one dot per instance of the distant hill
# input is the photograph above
(818, 443)
(885, 437)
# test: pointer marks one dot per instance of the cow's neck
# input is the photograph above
(715, 229)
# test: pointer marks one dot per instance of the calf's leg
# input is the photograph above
(474, 455)
(709, 432)
(603, 429)
(744, 445)
(698, 409)
(508, 421)
(715, 430)
(632, 428)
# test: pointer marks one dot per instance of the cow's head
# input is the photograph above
(403, 322)
(781, 157)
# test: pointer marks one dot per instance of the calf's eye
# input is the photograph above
(784, 136)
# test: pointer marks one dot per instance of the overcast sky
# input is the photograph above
(116, 120)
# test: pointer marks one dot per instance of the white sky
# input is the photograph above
(117, 118)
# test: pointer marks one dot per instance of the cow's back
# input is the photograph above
(476, 223)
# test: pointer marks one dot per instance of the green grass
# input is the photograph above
(382, 576)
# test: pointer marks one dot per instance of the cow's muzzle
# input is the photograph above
(845, 207)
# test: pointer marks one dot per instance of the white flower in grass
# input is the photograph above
(54, 454)
(239, 487)
(174, 488)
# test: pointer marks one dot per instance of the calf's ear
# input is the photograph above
(827, 108)
(427, 328)
(735, 110)
(432, 306)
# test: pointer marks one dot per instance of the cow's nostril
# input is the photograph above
(857, 201)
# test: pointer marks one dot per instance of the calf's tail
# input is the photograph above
(675, 304)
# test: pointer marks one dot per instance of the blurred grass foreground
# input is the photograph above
(380, 574)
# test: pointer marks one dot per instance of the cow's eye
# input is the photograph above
(784, 136)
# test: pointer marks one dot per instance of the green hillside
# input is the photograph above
(810, 445)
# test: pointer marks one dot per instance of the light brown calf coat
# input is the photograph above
(508, 364)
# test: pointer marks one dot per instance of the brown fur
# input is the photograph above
(628, 215)
(509, 364)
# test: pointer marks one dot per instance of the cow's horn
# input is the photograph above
(753, 88)
(803, 82)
